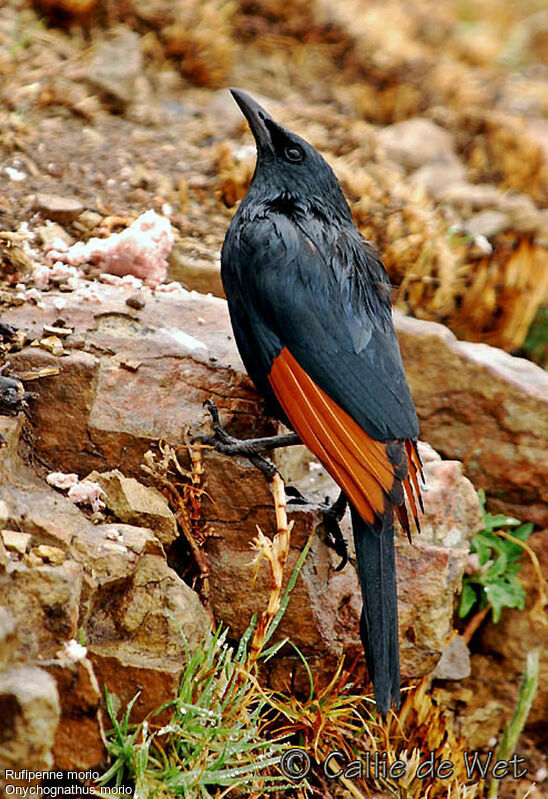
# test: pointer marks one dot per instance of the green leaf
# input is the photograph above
(468, 599)
(504, 595)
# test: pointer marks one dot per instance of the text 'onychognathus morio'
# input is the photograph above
(309, 302)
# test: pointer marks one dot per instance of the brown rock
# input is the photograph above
(116, 66)
(323, 613)
(45, 602)
(4, 557)
(148, 609)
(126, 669)
(437, 178)
(4, 513)
(486, 223)
(60, 209)
(16, 542)
(78, 743)
(8, 638)
(454, 663)
(136, 504)
(416, 142)
(29, 718)
(484, 407)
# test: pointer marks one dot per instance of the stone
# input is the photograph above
(136, 504)
(45, 602)
(204, 276)
(49, 554)
(452, 514)
(437, 178)
(148, 609)
(78, 742)
(4, 513)
(59, 209)
(485, 408)
(416, 142)
(4, 557)
(15, 541)
(8, 638)
(523, 213)
(126, 670)
(323, 613)
(454, 663)
(472, 196)
(184, 351)
(29, 718)
(116, 66)
(486, 223)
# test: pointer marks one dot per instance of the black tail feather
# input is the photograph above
(379, 620)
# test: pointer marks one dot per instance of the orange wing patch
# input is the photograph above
(358, 463)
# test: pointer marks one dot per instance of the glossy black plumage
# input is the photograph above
(304, 286)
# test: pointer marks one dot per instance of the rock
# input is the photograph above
(125, 670)
(523, 213)
(45, 602)
(486, 223)
(182, 347)
(416, 142)
(8, 638)
(148, 610)
(454, 663)
(136, 504)
(472, 196)
(4, 557)
(14, 541)
(452, 514)
(78, 742)
(4, 513)
(485, 408)
(204, 276)
(49, 554)
(323, 613)
(59, 209)
(29, 718)
(116, 66)
(437, 178)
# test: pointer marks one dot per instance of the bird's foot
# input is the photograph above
(332, 515)
(251, 448)
(330, 527)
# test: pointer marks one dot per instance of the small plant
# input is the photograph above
(212, 740)
(492, 583)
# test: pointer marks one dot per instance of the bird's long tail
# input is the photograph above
(379, 620)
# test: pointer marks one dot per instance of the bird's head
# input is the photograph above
(287, 166)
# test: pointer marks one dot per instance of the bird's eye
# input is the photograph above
(293, 153)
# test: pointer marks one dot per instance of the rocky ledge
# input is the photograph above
(124, 370)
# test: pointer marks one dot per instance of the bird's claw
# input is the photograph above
(226, 444)
(332, 514)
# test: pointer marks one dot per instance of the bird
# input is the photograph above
(310, 306)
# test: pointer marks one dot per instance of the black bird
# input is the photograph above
(309, 302)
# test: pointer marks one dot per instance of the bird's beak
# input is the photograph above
(256, 116)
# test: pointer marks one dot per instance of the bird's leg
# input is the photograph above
(332, 515)
(251, 448)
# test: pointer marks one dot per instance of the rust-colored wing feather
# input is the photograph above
(362, 466)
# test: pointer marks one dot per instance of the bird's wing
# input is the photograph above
(332, 358)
